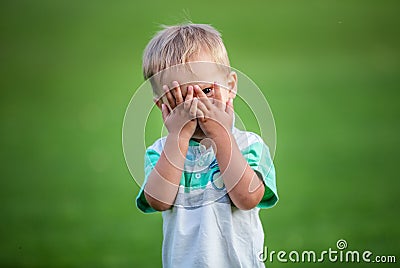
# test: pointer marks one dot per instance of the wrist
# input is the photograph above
(222, 138)
(176, 148)
(180, 138)
(219, 132)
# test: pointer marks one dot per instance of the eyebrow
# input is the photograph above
(201, 84)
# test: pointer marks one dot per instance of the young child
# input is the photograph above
(208, 178)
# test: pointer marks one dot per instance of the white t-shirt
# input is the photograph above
(204, 228)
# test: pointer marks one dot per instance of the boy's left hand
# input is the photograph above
(214, 116)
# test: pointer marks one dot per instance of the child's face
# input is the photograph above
(202, 72)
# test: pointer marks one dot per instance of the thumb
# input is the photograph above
(164, 111)
(229, 107)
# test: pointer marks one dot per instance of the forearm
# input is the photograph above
(163, 182)
(244, 187)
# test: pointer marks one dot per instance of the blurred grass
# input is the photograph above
(329, 69)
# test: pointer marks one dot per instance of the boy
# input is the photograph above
(208, 178)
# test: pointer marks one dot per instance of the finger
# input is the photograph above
(217, 93)
(193, 108)
(229, 107)
(157, 101)
(189, 94)
(164, 111)
(199, 113)
(177, 93)
(189, 97)
(170, 98)
(202, 97)
(202, 107)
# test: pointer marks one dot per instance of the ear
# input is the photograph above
(232, 84)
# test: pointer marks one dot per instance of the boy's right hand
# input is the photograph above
(181, 121)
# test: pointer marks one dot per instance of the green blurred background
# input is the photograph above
(329, 69)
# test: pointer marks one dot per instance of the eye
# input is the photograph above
(207, 90)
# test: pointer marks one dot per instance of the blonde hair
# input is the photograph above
(179, 43)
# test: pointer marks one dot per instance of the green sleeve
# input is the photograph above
(151, 158)
(258, 157)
